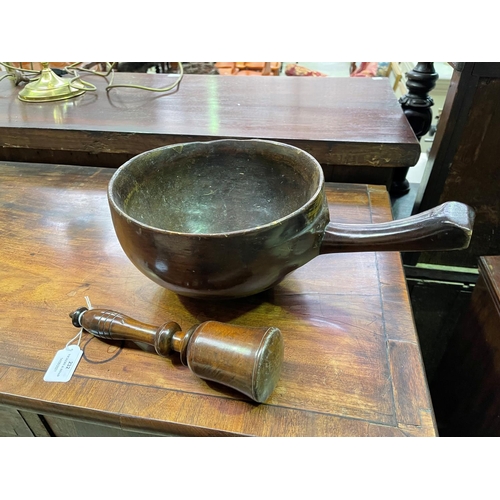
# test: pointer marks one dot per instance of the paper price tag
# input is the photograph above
(64, 364)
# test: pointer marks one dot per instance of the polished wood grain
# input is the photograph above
(352, 363)
(341, 121)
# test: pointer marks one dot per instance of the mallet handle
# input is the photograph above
(248, 359)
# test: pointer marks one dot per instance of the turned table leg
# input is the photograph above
(416, 106)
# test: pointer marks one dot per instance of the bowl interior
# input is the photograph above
(215, 187)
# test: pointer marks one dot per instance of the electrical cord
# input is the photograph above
(151, 89)
(17, 74)
(20, 69)
(72, 70)
(86, 69)
(109, 70)
(20, 75)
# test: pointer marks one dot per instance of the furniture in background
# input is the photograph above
(398, 85)
(416, 105)
(463, 161)
(365, 70)
(353, 126)
(463, 166)
(466, 388)
(391, 70)
(249, 68)
(294, 69)
(352, 363)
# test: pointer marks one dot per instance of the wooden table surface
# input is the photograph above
(341, 121)
(352, 362)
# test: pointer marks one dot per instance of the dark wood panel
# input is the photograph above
(490, 267)
(465, 389)
(438, 307)
(28, 155)
(464, 161)
(36, 423)
(12, 424)
(486, 69)
(65, 427)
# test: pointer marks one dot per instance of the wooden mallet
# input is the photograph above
(248, 359)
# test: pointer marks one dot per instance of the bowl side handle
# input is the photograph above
(445, 227)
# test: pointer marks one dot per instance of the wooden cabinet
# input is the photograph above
(464, 161)
(67, 427)
(12, 423)
(466, 389)
(23, 423)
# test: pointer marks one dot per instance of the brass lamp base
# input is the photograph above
(49, 87)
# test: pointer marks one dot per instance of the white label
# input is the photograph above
(64, 364)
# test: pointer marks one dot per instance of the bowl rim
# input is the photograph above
(272, 224)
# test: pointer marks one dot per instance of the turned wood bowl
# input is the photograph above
(231, 218)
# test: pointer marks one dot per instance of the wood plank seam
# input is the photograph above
(22, 401)
(382, 309)
(184, 391)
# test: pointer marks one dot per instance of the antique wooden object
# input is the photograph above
(353, 126)
(463, 161)
(246, 359)
(416, 105)
(230, 218)
(466, 388)
(351, 366)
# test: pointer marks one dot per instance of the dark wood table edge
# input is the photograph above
(326, 151)
(146, 424)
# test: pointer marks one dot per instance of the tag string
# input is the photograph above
(79, 334)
